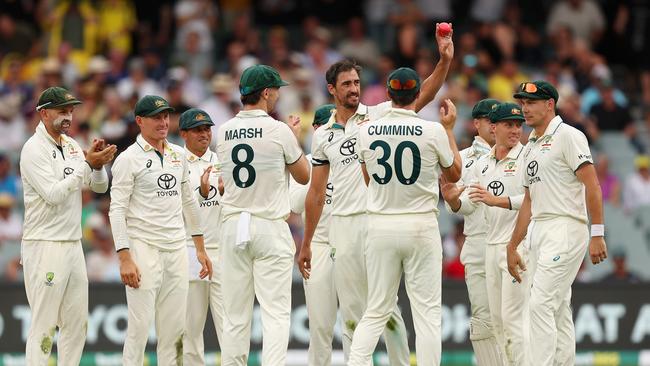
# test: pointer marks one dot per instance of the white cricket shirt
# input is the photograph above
(336, 145)
(52, 178)
(209, 207)
(551, 161)
(502, 178)
(150, 194)
(298, 194)
(403, 154)
(254, 150)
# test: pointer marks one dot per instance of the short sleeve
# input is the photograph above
(319, 139)
(363, 145)
(442, 147)
(575, 149)
(292, 151)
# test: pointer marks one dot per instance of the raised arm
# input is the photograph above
(432, 84)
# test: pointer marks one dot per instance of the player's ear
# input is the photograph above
(331, 89)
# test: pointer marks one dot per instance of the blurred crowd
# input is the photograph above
(110, 53)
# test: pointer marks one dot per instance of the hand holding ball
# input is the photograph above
(444, 29)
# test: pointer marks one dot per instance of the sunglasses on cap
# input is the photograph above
(409, 84)
(532, 88)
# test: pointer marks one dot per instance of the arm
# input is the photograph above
(299, 170)
(97, 156)
(314, 203)
(452, 173)
(366, 177)
(480, 194)
(432, 84)
(518, 234)
(586, 174)
(191, 213)
(297, 195)
(36, 169)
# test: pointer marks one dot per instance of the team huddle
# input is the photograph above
(197, 229)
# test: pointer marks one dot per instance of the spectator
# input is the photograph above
(620, 274)
(15, 37)
(218, 104)
(102, 261)
(12, 123)
(583, 17)
(601, 77)
(609, 183)
(11, 227)
(114, 126)
(198, 17)
(357, 46)
(637, 186)
(137, 83)
(609, 116)
(69, 21)
(116, 21)
(503, 83)
(9, 182)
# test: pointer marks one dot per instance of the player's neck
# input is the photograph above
(539, 130)
(343, 114)
(501, 151)
(55, 135)
(196, 151)
(157, 144)
(261, 105)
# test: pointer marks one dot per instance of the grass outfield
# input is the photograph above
(299, 358)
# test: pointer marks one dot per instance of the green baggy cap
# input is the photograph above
(539, 89)
(506, 112)
(150, 105)
(55, 97)
(483, 107)
(194, 117)
(259, 77)
(403, 82)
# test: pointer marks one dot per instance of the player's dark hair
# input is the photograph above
(403, 100)
(253, 98)
(333, 72)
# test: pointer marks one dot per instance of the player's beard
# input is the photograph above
(351, 105)
(62, 124)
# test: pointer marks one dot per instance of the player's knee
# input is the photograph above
(480, 329)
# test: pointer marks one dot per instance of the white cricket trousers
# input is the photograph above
(396, 244)
(559, 245)
(320, 296)
(202, 295)
(508, 303)
(56, 284)
(162, 296)
(481, 331)
(262, 269)
(348, 236)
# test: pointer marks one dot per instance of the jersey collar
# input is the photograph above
(550, 129)
(207, 157)
(146, 146)
(252, 113)
(513, 154)
(358, 116)
(480, 147)
(402, 112)
(42, 131)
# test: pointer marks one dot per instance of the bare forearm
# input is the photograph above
(594, 198)
(453, 173)
(521, 227)
(199, 244)
(313, 209)
(432, 84)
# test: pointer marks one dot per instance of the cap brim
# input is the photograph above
(510, 118)
(197, 124)
(480, 116)
(64, 104)
(522, 95)
(159, 110)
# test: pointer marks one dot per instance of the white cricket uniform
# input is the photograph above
(56, 282)
(150, 194)
(257, 248)
(507, 298)
(402, 153)
(320, 288)
(558, 237)
(203, 293)
(335, 145)
(472, 256)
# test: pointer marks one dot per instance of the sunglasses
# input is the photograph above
(409, 84)
(532, 88)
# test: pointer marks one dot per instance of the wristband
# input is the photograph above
(597, 230)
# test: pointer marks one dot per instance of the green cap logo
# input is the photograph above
(49, 276)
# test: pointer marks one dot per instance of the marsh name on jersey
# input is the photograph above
(243, 133)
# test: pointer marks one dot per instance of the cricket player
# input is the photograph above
(196, 130)
(53, 172)
(497, 176)
(257, 249)
(320, 288)
(561, 188)
(472, 255)
(401, 157)
(150, 195)
(334, 151)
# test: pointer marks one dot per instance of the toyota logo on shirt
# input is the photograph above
(347, 147)
(67, 171)
(211, 194)
(496, 187)
(532, 168)
(166, 181)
